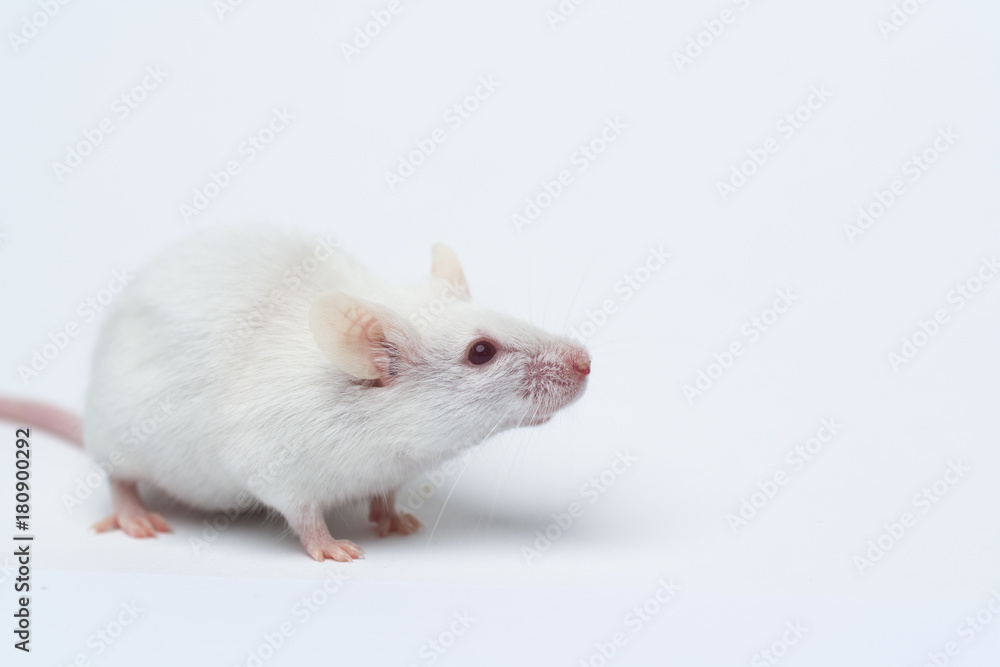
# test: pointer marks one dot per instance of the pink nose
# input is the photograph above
(582, 366)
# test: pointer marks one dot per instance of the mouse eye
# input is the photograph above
(481, 352)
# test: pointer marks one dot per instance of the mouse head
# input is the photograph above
(477, 370)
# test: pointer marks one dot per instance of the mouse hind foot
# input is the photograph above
(131, 515)
(388, 519)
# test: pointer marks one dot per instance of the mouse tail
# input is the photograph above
(45, 417)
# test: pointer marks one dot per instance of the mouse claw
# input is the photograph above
(343, 551)
(316, 539)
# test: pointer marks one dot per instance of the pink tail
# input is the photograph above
(46, 417)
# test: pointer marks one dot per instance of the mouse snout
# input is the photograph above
(576, 360)
(559, 372)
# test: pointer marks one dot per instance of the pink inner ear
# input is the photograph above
(362, 326)
(349, 334)
(372, 336)
(366, 336)
(360, 338)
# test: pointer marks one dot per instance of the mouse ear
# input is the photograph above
(445, 265)
(360, 338)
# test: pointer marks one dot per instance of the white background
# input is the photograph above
(686, 129)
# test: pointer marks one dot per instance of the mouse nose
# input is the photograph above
(579, 360)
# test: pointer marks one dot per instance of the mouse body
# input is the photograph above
(256, 367)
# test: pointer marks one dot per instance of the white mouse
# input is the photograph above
(299, 381)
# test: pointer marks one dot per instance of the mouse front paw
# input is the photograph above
(307, 521)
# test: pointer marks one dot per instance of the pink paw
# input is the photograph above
(134, 524)
(395, 521)
(322, 548)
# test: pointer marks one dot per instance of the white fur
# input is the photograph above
(263, 413)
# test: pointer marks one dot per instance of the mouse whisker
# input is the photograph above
(579, 287)
(459, 477)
